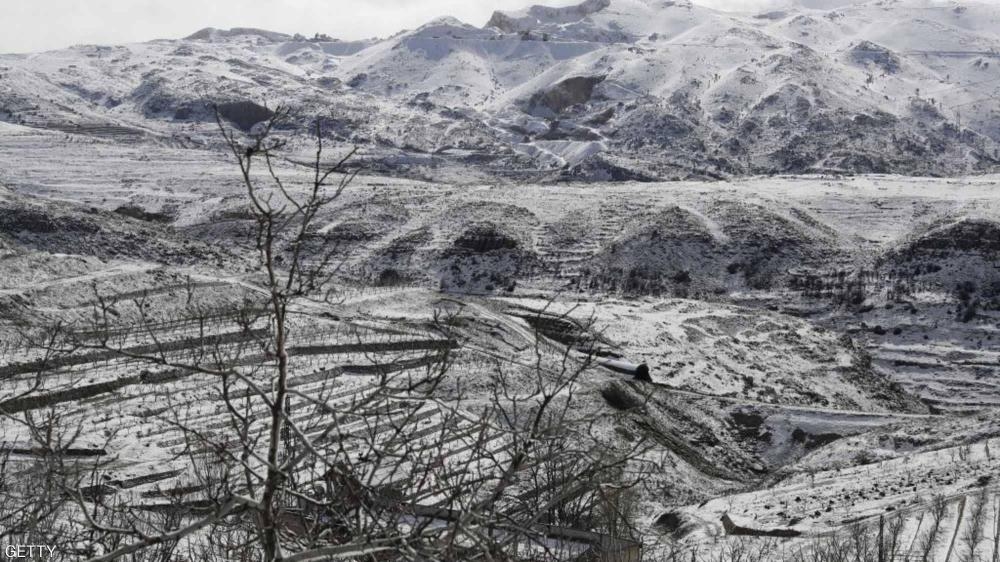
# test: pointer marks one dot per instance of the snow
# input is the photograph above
(473, 202)
(717, 73)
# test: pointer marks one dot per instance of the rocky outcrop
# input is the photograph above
(213, 34)
(22, 221)
(485, 257)
(60, 228)
(565, 94)
(544, 14)
(965, 235)
(244, 114)
(866, 52)
(485, 237)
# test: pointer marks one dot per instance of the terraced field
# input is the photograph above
(789, 325)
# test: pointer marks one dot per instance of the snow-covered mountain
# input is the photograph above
(607, 89)
(820, 351)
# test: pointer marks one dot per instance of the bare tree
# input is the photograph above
(975, 528)
(929, 540)
(284, 462)
(747, 549)
(892, 531)
(996, 530)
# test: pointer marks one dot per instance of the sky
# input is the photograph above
(36, 25)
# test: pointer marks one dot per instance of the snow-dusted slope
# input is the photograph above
(607, 89)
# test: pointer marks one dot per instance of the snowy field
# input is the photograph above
(777, 404)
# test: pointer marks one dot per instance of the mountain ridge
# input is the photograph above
(602, 90)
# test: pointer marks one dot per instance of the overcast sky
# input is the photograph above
(34, 25)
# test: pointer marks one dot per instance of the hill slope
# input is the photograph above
(605, 90)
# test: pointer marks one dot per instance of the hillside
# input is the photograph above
(766, 244)
(607, 90)
(853, 348)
